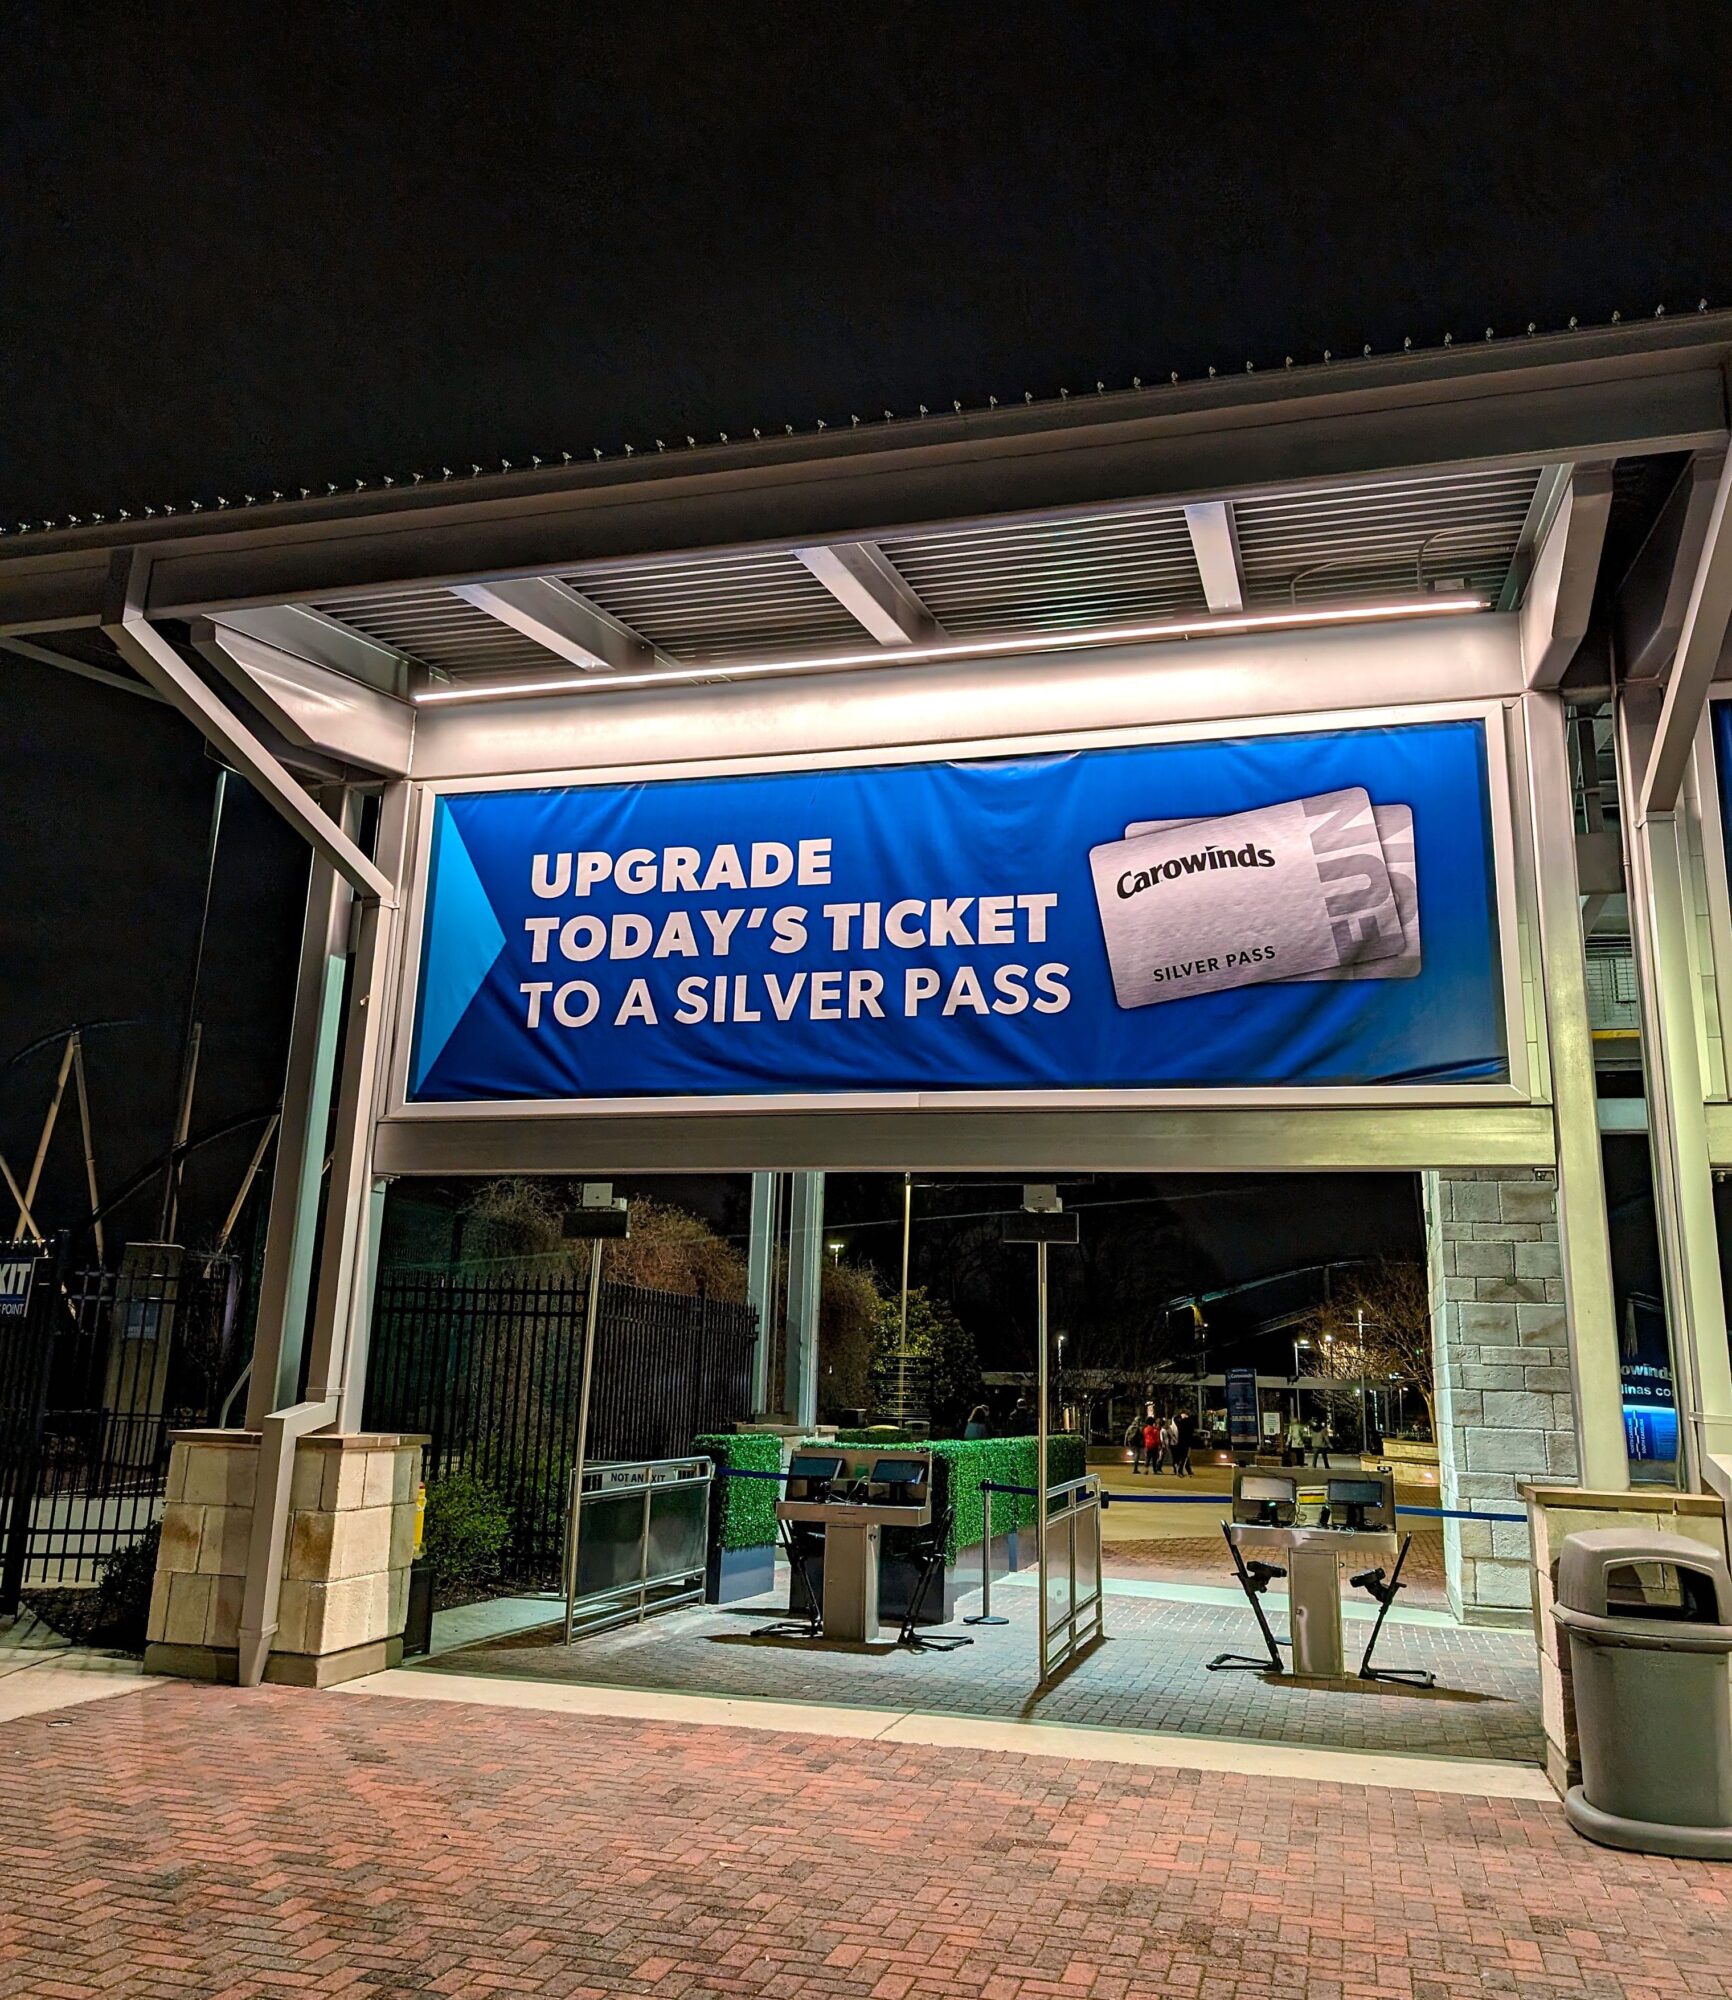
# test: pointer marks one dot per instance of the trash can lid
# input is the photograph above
(1619, 1573)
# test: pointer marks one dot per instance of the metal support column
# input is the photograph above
(285, 1283)
(1042, 1431)
(761, 1284)
(1584, 1238)
(1660, 915)
(805, 1282)
(337, 1364)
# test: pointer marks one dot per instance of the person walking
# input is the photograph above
(1295, 1452)
(1184, 1430)
(1133, 1442)
(979, 1424)
(1152, 1442)
(1320, 1446)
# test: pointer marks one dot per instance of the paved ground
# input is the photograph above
(191, 1843)
(1151, 1674)
(1203, 1559)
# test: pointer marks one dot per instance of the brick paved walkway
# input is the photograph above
(189, 1843)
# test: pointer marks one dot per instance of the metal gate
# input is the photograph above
(487, 1370)
(94, 1378)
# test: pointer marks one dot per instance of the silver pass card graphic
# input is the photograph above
(1280, 892)
(1395, 831)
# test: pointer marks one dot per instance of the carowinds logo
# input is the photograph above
(1134, 881)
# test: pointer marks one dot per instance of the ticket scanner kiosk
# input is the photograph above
(851, 1497)
(1284, 1524)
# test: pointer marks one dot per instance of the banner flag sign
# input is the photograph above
(1303, 909)
(1244, 1431)
(18, 1263)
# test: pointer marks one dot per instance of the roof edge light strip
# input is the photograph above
(1228, 623)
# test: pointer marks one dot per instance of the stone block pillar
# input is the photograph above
(1500, 1347)
(345, 1588)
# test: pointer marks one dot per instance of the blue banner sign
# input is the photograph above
(1244, 1422)
(1301, 909)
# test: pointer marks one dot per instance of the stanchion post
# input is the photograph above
(984, 1615)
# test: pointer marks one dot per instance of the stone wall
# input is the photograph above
(1505, 1407)
(350, 1540)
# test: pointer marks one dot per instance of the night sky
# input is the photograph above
(246, 248)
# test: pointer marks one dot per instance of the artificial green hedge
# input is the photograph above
(1000, 1462)
(743, 1514)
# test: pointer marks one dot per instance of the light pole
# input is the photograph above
(1061, 1379)
(902, 1341)
(1364, 1433)
(834, 1246)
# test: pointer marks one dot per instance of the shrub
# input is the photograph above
(123, 1586)
(116, 1610)
(1000, 1462)
(743, 1511)
(464, 1534)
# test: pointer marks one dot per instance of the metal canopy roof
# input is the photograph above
(1375, 485)
(1470, 530)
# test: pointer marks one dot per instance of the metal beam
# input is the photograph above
(146, 651)
(1560, 593)
(1215, 544)
(285, 1283)
(313, 706)
(805, 1282)
(1706, 617)
(1661, 919)
(871, 590)
(561, 619)
(1549, 490)
(1654, 593)
(761, 1283)
(1584, 1244)
(45, 657)
(309, 635)
(1272, 1138)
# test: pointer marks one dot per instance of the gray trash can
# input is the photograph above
(1649, 1624)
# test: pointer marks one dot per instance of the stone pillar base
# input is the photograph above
(1554, 1514)
(345, 1588)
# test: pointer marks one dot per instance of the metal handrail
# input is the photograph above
(631, 1599)
(1083, 1620)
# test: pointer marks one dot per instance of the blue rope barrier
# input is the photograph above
(1461, 1514)
(1111, 1499)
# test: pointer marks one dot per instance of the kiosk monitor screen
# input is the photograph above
(1255, 1487)
(900, 1472)
(1355, 1492)
(812, 1465)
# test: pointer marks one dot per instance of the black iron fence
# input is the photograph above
(94, 1378)
(489, 1371)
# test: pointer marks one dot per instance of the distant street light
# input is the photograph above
(834, 1246)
